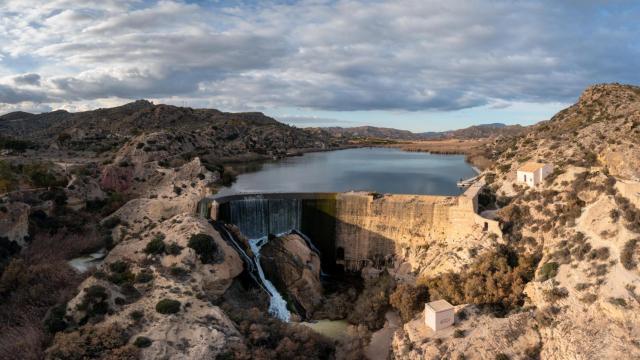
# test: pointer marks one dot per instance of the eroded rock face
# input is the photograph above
(291, 265)
(198, 329)
(82, 189)
(14, 221)
(164, 193)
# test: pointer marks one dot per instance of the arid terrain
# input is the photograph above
(557, 280)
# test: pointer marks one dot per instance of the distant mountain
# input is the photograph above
(372, 132)
(472, 132)
(481, 131)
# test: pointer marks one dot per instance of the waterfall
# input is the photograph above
(257, 218)
(277, 304)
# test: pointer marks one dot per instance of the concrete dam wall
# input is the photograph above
(354, 229)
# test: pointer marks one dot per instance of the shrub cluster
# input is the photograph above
(104, 342)
(204, 246)
(409, 300)
(496, 279)
(269, 338)
(627, 254)
(373, 302)
(549, 270)
(168, 306)
(155, 246)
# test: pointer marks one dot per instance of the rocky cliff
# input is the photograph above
(294, 268)
(582, 222)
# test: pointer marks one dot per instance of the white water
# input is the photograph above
(277, 304)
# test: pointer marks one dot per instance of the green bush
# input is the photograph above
(94, 302)
(178, 271)
(626, 257)
(168, 306)
(155, 246)
(55, 322)
(136, 315)
(144, 277)
(142, 342)
(549, 270)
(204, 246)
(120, 273)
(174, 249)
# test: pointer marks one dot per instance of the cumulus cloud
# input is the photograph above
(329, 55)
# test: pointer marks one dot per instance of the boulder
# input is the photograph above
(293, 267)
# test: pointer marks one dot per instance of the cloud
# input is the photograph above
(12, 95)
(27, 79)
(326, 55)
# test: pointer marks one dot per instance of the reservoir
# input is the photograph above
(381, 170)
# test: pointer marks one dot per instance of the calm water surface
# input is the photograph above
(381, 170)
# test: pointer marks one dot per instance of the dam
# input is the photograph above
(353, 230)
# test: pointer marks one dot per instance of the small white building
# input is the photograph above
(532, 173)
(438, 314)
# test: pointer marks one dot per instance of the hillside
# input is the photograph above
(105, 131)
(472, 132)
(582, 224)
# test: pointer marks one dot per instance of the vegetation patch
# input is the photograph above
(168, 306)
(549, 270)
(409, 300)
(204, 246)
(496, 279)
(627, 255)
(155, 246)
(142, 342)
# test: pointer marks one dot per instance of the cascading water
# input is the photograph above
(257, 217)
(277, 304)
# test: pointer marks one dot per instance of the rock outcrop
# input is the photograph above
(294, 268)
(132, 280)
(14, 222)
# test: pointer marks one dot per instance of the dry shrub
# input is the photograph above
(270, 338)
(496, 279)
(104, 342)
(30, 284)
(409, 300)
(27, 340)
(373, 302)
(62, 245)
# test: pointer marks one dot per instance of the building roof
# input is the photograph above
(531, 166)
(439, 305)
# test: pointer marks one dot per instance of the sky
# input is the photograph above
(421, 65)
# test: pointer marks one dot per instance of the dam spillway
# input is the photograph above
(354, 229)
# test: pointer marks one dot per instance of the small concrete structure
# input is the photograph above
(438, 315)
(532, 173)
